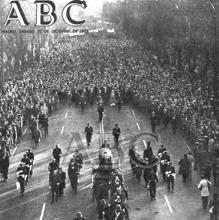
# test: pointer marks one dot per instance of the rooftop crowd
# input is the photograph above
(88, 62)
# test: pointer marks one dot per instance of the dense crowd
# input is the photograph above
(86, 63)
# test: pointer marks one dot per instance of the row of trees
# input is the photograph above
(180, 33)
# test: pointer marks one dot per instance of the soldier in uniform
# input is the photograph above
(30, 156)
(161, 150)
(88, 132)
(164, 161)
(116, 133)
(20, 177)
(56, 153)
(170, 175)
(26, 161)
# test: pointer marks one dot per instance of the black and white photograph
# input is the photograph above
(109, 109)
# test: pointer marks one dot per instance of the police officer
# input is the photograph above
(30, 156)
(116, 133)
(56, 153)
(88, 132)
(164, 161)
(170, 175)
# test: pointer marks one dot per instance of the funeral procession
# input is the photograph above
(109, 110)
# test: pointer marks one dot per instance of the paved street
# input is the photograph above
(66, 128)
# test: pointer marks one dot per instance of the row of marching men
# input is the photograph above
(24, 170)
(167, 171)
(57, 176)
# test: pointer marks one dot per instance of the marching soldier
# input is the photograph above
(56, 153)
(26, 167)
(164, 161)
(30, 156)
(116, 133)
(21, 178)
(88, 132)
(170, 174)
(161, 150)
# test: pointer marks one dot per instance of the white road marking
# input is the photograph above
(187, 146)
(133, 113)
(42, 212)
(25, 131)
(14, 151)
(138, 126)
(168, 204)
(62, 129)
(66, 115)
(144, 143)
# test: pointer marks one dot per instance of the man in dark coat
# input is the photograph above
(153, 184)
(153, 121)
(73, 172)
(5, 166)
(100, 110)
(116, 133)
(63, 178)
(56, 154)
(148, 152)
(88, 132)
(184, 168)
(55, 183)
(208, 170)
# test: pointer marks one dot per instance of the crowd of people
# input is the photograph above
(78, 69)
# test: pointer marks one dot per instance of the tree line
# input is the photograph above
(183, 34)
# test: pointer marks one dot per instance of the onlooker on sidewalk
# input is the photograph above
(204, 185)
